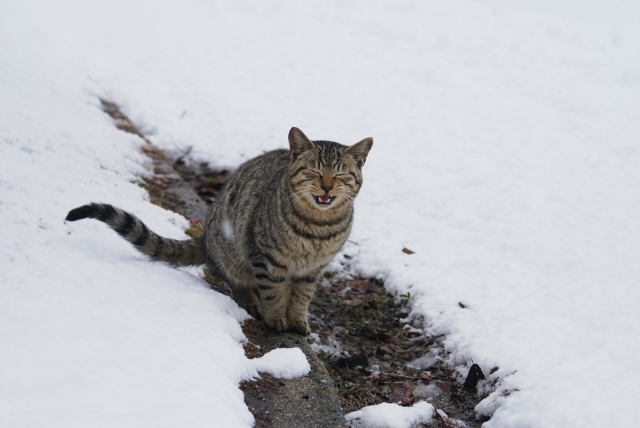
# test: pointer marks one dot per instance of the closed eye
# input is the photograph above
(344, 177)
(307, 175)
(312, 175)
(306, 172)
(348, 178)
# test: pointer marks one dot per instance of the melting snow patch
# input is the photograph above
(388, 415)
(426, 391)
(282, 363)
(430, 359)
(332, 348)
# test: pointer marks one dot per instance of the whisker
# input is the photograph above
(293, 198)
(299, 192)
(348, 197)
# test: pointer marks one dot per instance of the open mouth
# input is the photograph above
(324, 199)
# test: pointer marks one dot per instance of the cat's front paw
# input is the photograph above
(279, 324)
(300, 327)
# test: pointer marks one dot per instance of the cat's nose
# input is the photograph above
(326, 187)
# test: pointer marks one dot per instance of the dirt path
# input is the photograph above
(361, 352)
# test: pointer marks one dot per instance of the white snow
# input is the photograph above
(391, 415)
(286, 363)
(506, 156)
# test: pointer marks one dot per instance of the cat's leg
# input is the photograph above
(274, 297)
(302, 290)
(273, 290)
(247, 299)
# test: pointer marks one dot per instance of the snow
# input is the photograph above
(506, 157)
(391, 415)
(283, 363)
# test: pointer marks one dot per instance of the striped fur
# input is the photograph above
(175, 252)
(270, 234)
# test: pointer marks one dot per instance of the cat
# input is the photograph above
(271, 232)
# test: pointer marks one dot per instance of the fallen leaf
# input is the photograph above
(427, 376)
(361, 285)
(380, 337)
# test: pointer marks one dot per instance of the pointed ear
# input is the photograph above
(298, 142)
(360, 150)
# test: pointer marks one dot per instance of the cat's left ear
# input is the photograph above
(360, 150)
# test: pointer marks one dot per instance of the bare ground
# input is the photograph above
(372, 354)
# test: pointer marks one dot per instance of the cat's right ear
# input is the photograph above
(299, 143)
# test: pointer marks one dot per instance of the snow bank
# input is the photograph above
(93, 333)
(505, 157)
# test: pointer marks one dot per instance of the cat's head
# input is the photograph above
(325, 175)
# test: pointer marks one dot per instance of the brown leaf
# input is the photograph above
(407, 251)
(380, 337)
(361, 285)
(401, 399)
(427, 376)
(389, 349)
(398, 390)
(384, 349)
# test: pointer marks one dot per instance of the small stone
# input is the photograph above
(305, 396)
(475, 374)
(353, 362)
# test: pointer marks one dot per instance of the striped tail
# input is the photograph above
(179, 253)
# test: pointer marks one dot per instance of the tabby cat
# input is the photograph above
(271, 232)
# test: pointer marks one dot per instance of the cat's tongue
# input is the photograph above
(324, 198)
